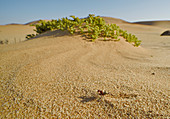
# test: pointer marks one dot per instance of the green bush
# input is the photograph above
(30, 36)
(92, 26)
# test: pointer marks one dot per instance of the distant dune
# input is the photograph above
(14, 33)
(107, 19)
(34, 22)
(163, 24)
(114, 20)
(14, 24)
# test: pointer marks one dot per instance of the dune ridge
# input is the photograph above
(163, 24)
(15, 33)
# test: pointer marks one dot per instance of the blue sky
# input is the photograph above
(23, 11)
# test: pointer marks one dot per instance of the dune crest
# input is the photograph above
(15, 33)
(162, 24)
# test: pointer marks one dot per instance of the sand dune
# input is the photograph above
(107, 19)
(111, 20)
(15, 33)
(35, 22)
(57, 74)
(163, 24)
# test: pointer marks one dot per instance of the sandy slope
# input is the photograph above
(57, 75)
(15, 33)
(163, 24)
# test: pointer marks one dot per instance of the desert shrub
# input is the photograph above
(1, 42)
(92, 26)
(30, 36)
(4, 42)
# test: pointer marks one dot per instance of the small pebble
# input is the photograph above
(153, 73)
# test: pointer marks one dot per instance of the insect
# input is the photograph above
(100, 92)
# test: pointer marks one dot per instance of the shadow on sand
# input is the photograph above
(87, 99)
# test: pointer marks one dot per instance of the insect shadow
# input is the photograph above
(87, 99)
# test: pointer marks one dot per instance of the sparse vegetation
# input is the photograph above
(4, 42)
(1, 42)
(93, 27)
(30, 36)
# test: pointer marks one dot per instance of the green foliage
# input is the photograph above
(30, 36)
(92, 26)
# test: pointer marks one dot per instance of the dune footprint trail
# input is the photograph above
(58, 76)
